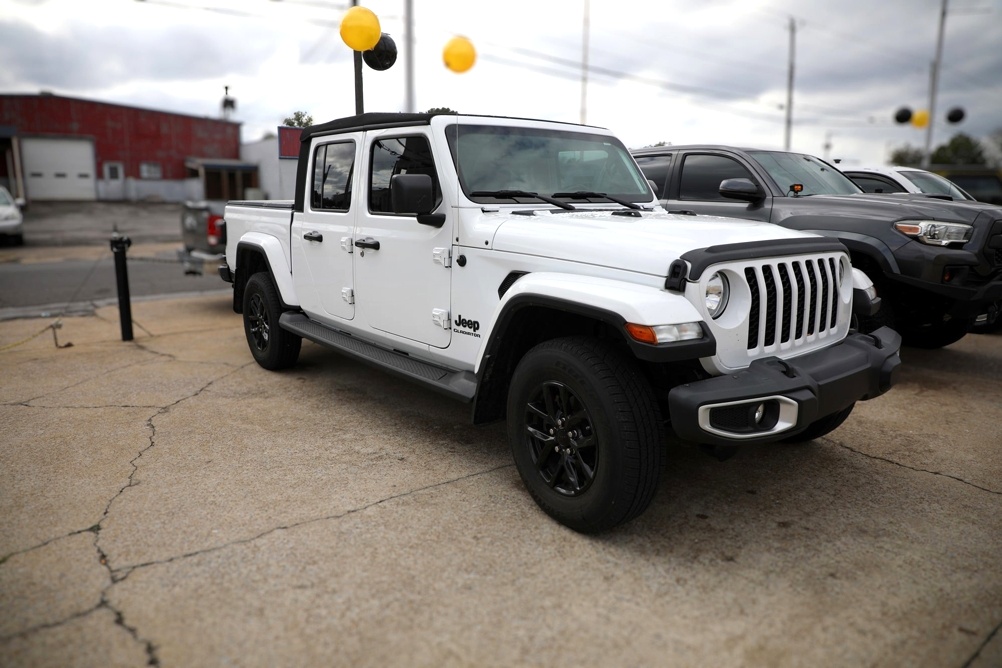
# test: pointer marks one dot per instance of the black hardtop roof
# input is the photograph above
(382, 119)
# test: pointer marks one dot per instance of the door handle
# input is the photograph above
(313, 236)
(367, 242)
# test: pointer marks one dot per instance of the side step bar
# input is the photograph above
(456, 384)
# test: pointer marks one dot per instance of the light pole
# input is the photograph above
(933, 84)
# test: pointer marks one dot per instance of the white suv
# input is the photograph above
(895, 179)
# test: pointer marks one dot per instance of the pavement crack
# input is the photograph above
(977, 653)
(913, 468)
(121, 574)
(51, 625)
(45, 543)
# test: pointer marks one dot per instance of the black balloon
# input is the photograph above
(955, 115)
(383, 55)
(903, 115)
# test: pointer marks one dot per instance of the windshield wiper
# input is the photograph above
(586, 194)
(522, 193)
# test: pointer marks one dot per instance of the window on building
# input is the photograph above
(150, 170)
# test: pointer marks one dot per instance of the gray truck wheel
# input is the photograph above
(585, 432)
(822, 427)
(272, 347)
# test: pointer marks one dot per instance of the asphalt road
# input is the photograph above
(66, 266)
(167, 502)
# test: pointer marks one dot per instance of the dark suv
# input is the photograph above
(937, 264)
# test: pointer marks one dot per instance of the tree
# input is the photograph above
(908, 156)
(441, 110)
(299, 119)
(962, 149)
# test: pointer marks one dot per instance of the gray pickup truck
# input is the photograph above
(937, 264)
(203, 235)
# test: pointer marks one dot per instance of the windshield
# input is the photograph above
(498, 163)
(817, 176)
(935, 184)
(5, 199)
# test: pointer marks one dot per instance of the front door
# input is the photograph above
(696, 187)
(402, 269)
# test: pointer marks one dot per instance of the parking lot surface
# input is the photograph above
(166, 501)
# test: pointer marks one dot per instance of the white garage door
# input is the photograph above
(59, 168)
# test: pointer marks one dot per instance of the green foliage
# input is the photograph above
(441, 110)
(909, 156)
(299, 119)
(962, 149)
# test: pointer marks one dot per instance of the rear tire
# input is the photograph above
(272, 347)
(585, 432)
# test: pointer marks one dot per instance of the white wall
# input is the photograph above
(277, 176)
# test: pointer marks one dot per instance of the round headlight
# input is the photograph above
(716, 295)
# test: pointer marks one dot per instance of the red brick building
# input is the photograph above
(61, 148)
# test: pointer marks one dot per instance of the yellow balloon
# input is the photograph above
(459, 54)
(920, 118)
(360, 29)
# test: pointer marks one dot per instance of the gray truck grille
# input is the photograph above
(791, 300)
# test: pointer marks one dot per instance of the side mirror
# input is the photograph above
(19, 202)
(414, 194)
(742, 189)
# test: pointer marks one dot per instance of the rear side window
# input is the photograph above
(655, 168)
(876, 184)
(702, 174)
(332, 168)
(399, 155)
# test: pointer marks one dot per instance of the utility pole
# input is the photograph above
(789, 83)
(409, 54)
(584, 65)
(933, 85)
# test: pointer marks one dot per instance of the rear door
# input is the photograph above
(322, 250)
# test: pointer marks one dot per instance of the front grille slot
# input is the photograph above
(791, 300)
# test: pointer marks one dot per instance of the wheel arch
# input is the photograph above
(263, 253)
(536, 309)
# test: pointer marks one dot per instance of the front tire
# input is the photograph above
(272, 347)
(585, 432)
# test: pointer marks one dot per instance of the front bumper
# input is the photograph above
(773, 399)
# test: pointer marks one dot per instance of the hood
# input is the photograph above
(647, 244)
(900, 206)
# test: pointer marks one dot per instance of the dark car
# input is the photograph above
(937, 264)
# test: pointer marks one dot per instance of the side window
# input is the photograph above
(399, 155)
(702, 174)
(655, 168)
(332, 168)
(876, 184)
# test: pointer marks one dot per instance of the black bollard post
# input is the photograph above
(119, 245)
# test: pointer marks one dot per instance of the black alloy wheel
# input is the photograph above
(272, 347)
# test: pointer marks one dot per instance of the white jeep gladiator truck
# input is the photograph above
(526, 268)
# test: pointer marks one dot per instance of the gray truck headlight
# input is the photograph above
(717, 293)
(935, 233)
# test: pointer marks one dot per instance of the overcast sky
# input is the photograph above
(674, 71)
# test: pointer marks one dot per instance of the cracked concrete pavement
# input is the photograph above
(167, 502)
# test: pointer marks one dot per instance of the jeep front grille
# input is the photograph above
(791, 300)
